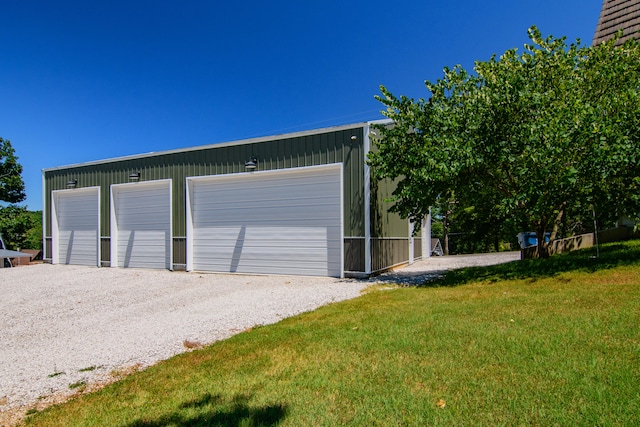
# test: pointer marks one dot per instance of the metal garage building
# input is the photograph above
(300, 203)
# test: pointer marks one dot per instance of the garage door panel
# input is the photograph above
(300, 268)
(256, 250)
(142, 224)
(302, 214)
(328, 205)
(268, 193)
(78, 247)
(282, 222)
(270, 236)
(75, 219)
(282, 242)
(133, 210)
(77, 222)
(232, 183)
(220, 206)
(81, 224)
(264, 266)
(73, 214)
(144, 221)
(141, 249)
(143, 192)
(142, 237)
(80, 236)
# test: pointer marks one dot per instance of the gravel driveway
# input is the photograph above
(62, 325)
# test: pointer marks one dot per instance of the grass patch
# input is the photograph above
(55, 374)
(559, 346)
(611, 256)
(78, 385)
(88, 369)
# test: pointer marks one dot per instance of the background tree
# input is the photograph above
(21, 228)
(11, 183)
(33, 236)
(528, 137)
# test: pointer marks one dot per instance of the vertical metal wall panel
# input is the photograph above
(105, 252)
(354, 252)
(390, 233)
(47, 248)
(417, 246)
(388, 252)
(282, 222)
(383, 222)
(180, 252)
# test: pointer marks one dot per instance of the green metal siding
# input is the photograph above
(383, 222)
(354, 254)
(417, 246)
(277, 153)
(388, 252)
(389, 232)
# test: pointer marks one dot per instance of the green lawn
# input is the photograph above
(553, 342)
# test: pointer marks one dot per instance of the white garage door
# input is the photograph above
(277, 222)
(76, 221)
(141, 225)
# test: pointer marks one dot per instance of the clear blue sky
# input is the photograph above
(86, 80)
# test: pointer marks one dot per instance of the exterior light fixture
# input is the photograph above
(134, 177)
(353, 137)
(252, 164)
(72, 183)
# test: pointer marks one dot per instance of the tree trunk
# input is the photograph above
(445, 232)
(543, 247)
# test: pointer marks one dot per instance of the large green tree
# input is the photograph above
(534, 135)
(11, 183)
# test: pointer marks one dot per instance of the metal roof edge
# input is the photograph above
(380, 122)
(247, 141)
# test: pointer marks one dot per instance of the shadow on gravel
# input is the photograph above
(411, 278)
(215, 410)
(610, 255)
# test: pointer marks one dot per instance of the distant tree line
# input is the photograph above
(20, 228)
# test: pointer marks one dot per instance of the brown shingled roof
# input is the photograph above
(618, 15)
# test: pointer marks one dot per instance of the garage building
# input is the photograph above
(300, 203)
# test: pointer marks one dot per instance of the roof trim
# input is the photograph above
(255, 140)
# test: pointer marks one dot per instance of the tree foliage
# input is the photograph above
(528, 137)
(11, 184)
(21, 228)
